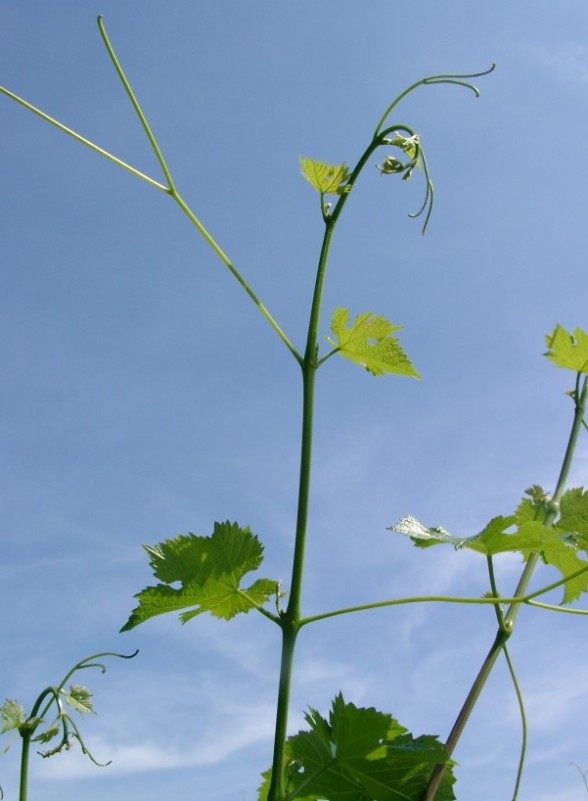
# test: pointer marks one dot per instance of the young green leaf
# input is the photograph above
(368, 341)
(360, 754)
(79, 698)
(209, 570)
(566, 350)
(408, 144)
(13, 715)
(49, 733)
(325, 178)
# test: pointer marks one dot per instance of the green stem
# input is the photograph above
(509, 619)
(235, 273)
(554, 608)
(291, 616)
(170, 189)
(495, 593)
(24, 766)
(513, 676)
(83, 140)
(458, 80)
(26, 732)
(136, 105)
(309, 366)
(277, 790)
(456, 599)
(523, 715)
(181, 203)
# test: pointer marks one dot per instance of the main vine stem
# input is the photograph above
(505, 630)
(291, 617)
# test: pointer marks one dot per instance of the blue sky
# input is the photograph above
(144, 395)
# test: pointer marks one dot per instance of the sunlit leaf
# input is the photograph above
(79, 698)
(13, 715)
(368, 341)
(325, 178)
(568, 350)
(209, 570)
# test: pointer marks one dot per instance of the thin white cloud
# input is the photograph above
(246, 727)
(568, 61)
(551, 705)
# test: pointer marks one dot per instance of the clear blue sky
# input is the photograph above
(143, 395)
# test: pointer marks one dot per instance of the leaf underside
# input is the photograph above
(360, 754)
(525, 533)
(209, 571)
(78, 698)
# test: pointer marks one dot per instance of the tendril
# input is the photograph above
(457, 80)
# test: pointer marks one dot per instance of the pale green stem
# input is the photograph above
(84, 141)
(181, 203)
(458, 80)
(453, 599)
(235, 273)
(502, 626)
(523, 723)
(169, 190)
(554, 608)
(136, 105)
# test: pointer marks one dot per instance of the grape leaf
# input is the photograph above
(48, 735)
(566, 560)
(360, 755)
(368, 342)
(491, 540)
(567, 350)
(558, 545)
(209, 570)
(422, 536)
(13, 715)
(79, 698)
(325, 178)
(574, 516)
(408, 144)
(406, 771)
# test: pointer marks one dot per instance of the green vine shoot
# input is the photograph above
(348, 752)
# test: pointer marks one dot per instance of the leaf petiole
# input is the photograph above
(453, 599)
